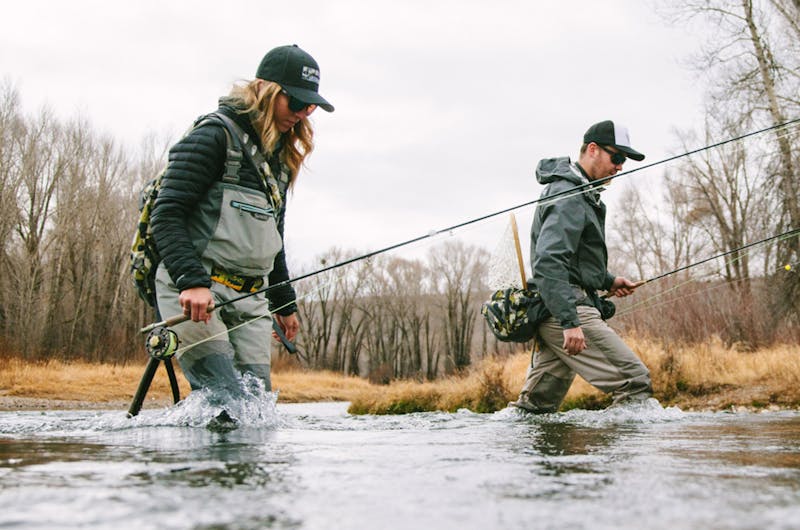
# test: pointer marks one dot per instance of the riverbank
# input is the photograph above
(698, 377)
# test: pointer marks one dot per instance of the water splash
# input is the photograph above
(249, 406)
(648, 411)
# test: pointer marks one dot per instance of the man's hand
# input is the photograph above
(289, 324)
(196, 303)
(623, 287)
(574, 342)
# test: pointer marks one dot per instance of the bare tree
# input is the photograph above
(10, 175)
(753, 67)
(650, 237)
(39, 166)
(789, 11)
(723, 196)
(461, 270)
(409, 303)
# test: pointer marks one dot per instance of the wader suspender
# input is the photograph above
(271, 186)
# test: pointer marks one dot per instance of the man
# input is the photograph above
(569, 259)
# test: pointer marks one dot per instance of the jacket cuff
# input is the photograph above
(187, 282)
(288, 310)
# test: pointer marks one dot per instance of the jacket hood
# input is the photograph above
(551, 169)
(234, 109)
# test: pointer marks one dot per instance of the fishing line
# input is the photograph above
(561, 195)
(634, 308)
(787, 132)
(631, 309)
(172, 348)
(785, 235)
(751, 246)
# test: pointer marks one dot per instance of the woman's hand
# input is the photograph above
(196, 303)
(290, 325)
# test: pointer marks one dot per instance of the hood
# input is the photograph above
(551, 169)
(234, 109)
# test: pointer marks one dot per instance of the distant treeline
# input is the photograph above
(69, 196)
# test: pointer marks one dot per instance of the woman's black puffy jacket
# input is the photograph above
(194, 163)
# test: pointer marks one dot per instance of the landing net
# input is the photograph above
(507, 268)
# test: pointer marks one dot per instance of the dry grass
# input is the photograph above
(80, 381)
(299, 386)
(488, 387)
(484, 389)
(714, 376)
(706, 376)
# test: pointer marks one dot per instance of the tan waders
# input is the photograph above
(607, 363)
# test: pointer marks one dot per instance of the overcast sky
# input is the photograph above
(443, 108)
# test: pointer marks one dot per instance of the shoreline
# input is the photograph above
(32, 404)
(715, 403)
(699, 378)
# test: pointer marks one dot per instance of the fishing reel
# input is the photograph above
(161, 343)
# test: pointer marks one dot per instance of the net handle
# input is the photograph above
(519, 250)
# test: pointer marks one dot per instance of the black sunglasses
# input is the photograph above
(296, 105)
(617, 158)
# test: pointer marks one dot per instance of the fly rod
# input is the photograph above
(789, 233)
(177, 319)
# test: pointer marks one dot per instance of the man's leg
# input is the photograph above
(607, 362)
(548, 378)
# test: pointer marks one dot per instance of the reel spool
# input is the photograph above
(161, 343)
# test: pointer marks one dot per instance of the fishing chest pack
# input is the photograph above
(144, 256)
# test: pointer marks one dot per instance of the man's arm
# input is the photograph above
(622, 287)
(574, 341)
(557, 242)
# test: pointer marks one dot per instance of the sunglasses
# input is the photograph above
(617, 158)
(296, 105)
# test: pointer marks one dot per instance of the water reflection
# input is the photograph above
(559, 439)
(22, 453)
(226, 475)
(320, 468)
(771, 444)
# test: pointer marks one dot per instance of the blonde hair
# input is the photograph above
(298, 142)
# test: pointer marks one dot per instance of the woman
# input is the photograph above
(219, 237)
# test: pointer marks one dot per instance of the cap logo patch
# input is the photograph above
(310, 74)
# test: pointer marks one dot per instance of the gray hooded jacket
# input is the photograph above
(568, 246)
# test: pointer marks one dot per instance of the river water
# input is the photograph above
(313, 466)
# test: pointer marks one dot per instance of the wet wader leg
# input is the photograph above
(607, 362)
(144, 386)
(251, 343)
(173, 381)
(619, 370)
(210, 363)
(547, 380)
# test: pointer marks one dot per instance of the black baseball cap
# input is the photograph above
(609, 133)
(296, 72)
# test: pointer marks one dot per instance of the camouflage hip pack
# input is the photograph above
(514, 315)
